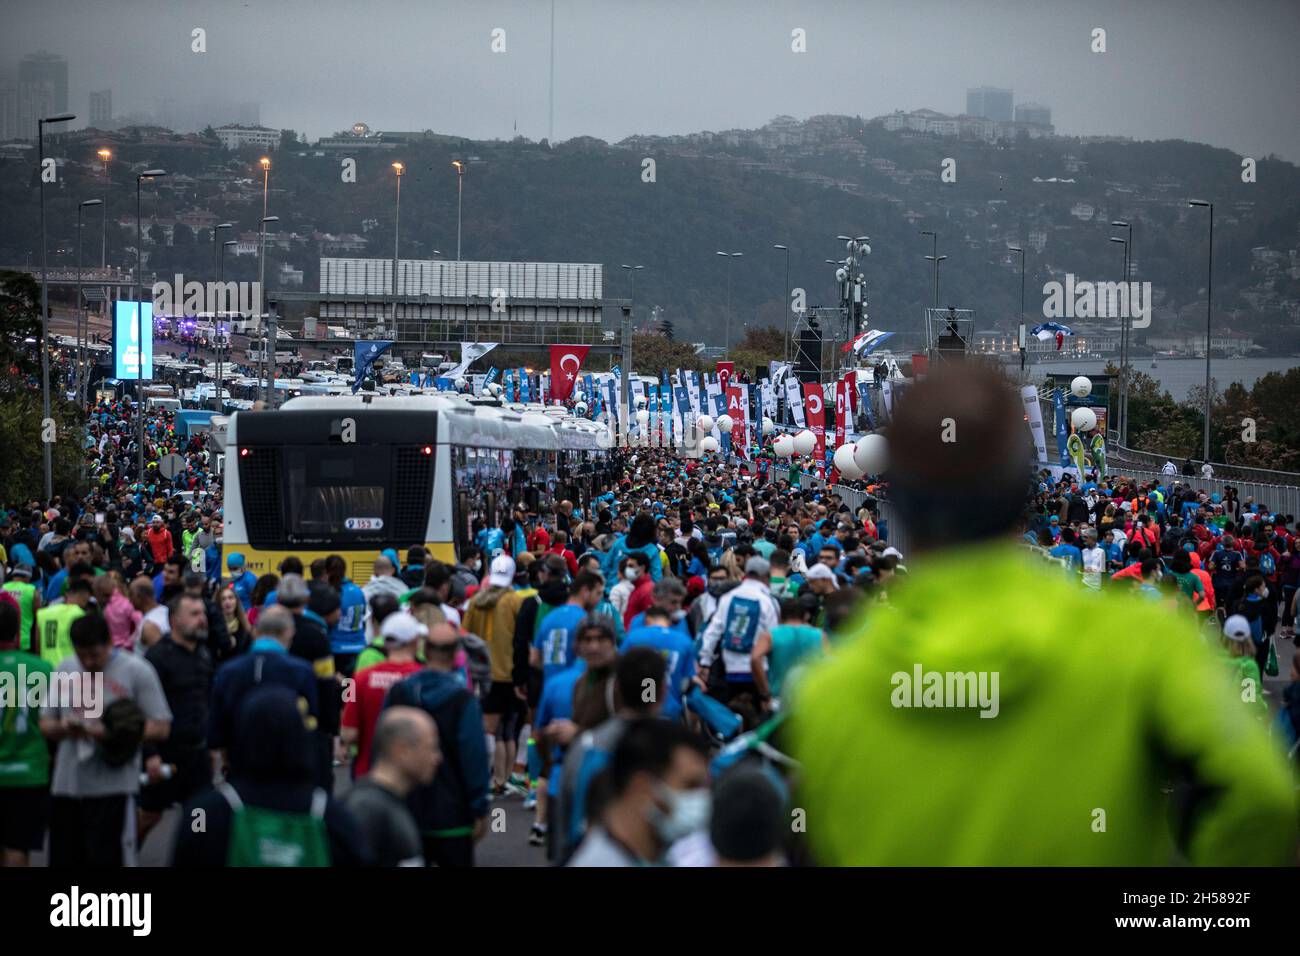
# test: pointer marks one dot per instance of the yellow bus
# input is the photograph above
(353, 475)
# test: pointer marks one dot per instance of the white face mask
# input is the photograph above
(631, 573)
(688, 811)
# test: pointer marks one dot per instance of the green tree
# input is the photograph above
(757, 349)
(20, 319)
(652, 353)
(22, 474)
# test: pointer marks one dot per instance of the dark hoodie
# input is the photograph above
(270, 768)
(458, 794)
(534, 610)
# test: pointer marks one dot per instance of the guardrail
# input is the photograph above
(1271, 497)
(1235, 472)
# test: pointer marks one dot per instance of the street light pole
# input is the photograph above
(397, 222)
(216, 235)
(632, 271)
(1121, 409)
(729, 256)
(269, 346)
(45, 302)
(934, 256)
(1209, 298)
(1021, 338)
(221, 340)
(460, 185)
(149, 174)
(785, 352)
(81, 311)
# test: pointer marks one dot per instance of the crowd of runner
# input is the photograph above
(624, 667)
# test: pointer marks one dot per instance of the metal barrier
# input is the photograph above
(1272, 498)
(1235, 473)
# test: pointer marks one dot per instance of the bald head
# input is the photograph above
(959, 454)
(141, 592)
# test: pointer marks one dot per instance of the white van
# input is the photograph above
(155, 402)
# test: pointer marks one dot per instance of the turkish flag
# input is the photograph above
(566, 360)
(725, 371)
(814, 406)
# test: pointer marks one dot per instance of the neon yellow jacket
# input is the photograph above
(1100, 697)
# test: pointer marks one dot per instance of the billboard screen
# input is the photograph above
(127, 329)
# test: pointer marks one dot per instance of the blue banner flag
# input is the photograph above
(364, 357)
(1062, 429)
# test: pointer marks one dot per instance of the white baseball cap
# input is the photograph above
(402, 627)
(820, 572)
(1236, 628)
(502, 572)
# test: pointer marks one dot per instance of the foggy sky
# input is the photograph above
(1224, 73)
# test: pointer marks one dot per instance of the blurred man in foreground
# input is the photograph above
(1000, 716)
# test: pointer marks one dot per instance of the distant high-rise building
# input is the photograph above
(990, 103)
(48, 68)
(8, 106)
(250, 114)
(1034, 113)
(36, 99)
(101, 109)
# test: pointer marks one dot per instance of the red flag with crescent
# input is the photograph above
(566, 360)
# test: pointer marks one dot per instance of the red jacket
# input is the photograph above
(160, 543)
(640, 599)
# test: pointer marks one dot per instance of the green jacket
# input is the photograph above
(1098, 696)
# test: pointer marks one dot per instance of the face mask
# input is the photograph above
(475, 565)
(679, 614)
(688, 811)
(631, 573)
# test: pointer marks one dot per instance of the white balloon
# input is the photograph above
(805, 442)
(710, 444)
(871, 454)
(1083, 419)
(705, 423)
(725, 423)
(1081, 387)
(769, 426)
(580, 408)
(845, 463)
(642, 416)
(783, 446)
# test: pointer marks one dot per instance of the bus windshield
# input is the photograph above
(334, 491)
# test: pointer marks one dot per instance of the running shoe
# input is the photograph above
(537, 835)
(530, 801)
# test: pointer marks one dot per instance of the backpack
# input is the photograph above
(262, 837)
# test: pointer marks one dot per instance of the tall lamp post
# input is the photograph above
(104, 155)
(81, 310)
(628, 319)
(460, 187)
(151, 175)
(785, 352)
(216, 236)
(936, 260)
(222, 340)
(45, 298)
(730, 256)
(632, 271)
(1209, 298)
(934, 257)
(268, 347)
(1021, 338)
(1126, 334)
(397, 221)
(1121, 407)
